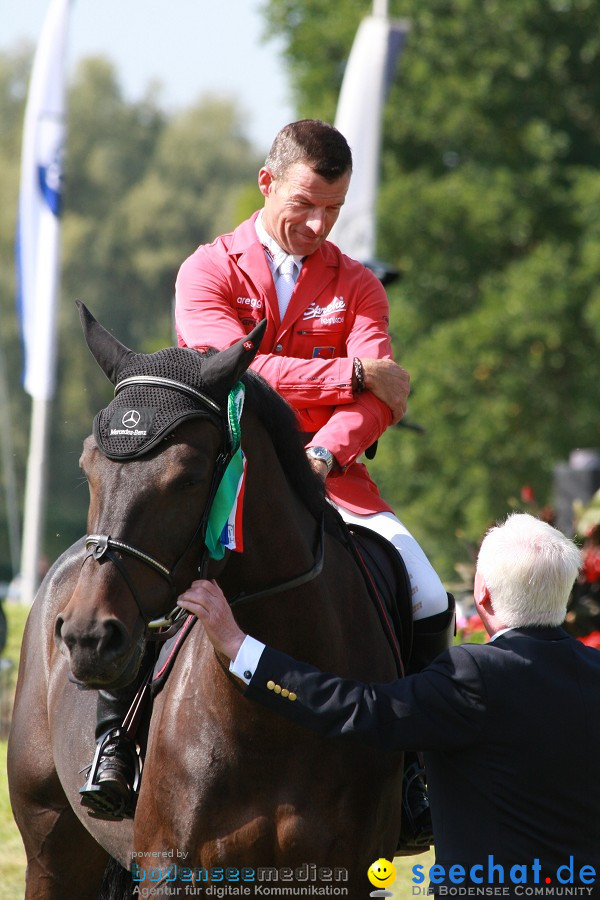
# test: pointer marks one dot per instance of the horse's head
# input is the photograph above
(153, 464)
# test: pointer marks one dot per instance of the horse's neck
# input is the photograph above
(281, 543)
(279, 533)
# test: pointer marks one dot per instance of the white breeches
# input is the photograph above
(429, 596)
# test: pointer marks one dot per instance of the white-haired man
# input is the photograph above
(510, 729)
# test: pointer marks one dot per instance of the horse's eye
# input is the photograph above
(189, 483)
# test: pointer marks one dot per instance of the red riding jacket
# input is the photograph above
(338, 311)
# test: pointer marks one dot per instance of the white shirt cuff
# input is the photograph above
(246, 661)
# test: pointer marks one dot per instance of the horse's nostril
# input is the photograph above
(107, 640)
(58, 630)
(114, 639)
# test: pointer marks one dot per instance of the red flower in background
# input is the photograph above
(527, 495)
(591, 564)
(591, 640)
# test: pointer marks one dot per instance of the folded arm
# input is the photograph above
(206, 316)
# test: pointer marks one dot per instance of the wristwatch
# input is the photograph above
(322, 454)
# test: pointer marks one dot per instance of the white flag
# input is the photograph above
(367, 78)
(39, 204)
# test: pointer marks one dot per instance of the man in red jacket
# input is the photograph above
(327, 348)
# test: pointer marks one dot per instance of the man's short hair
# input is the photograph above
(529, 568)
(315, 143)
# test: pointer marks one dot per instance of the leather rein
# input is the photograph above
(103, 547)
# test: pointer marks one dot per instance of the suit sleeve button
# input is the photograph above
(270, 685)
(285, 692)
(277, 688)
(292, 696)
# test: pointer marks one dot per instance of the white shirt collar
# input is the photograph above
(502, 631)
(274, 253)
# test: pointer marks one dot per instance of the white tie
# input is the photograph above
(284, 283)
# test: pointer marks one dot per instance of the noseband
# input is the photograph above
(102, 547)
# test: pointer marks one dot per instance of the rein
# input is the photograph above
(298, 580)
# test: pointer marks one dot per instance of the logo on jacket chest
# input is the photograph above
(332, 314)
(249, 302)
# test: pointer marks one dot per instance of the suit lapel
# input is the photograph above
(251, 260)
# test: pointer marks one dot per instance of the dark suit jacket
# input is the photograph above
(511, 734)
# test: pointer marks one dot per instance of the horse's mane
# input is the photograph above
(279, 419)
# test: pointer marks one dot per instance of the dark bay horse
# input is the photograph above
(225, 783)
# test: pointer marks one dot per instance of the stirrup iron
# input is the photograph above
(101, 802)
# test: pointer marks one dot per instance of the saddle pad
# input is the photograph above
(168, 653)
(388, 579)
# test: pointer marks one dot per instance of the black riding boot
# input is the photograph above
(112, 786)
(431, 637)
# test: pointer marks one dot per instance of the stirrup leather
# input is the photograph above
(102, 803)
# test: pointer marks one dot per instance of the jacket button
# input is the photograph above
(270, 685)
(277, 688)
(285, 692)
(278, 348)
(292, 696)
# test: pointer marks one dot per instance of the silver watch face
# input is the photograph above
(322, 454)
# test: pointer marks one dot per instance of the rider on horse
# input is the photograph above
(326, 350)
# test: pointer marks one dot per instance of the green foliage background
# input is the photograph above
(490, 188)
(489, 208)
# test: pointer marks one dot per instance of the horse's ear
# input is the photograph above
(227, 367)
(108, 352)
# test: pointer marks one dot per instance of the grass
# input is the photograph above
(12, 855)
(403, 885)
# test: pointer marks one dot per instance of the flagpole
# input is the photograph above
(369, 70)
(35, 499)
(38, 242)
(8, 469)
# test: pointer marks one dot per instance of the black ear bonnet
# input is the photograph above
(144, 411)
(156, 392)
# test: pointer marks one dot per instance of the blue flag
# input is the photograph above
(39, 204)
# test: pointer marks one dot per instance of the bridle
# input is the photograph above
(103, 547)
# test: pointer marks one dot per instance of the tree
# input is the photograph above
(490, 178)
(14, 72)
(143, 189)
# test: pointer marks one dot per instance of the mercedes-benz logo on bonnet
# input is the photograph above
(131, 419)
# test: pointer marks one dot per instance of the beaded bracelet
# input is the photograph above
(359, 376)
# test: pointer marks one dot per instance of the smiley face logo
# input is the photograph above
(381, 873)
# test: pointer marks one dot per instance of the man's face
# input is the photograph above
(301, 208)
